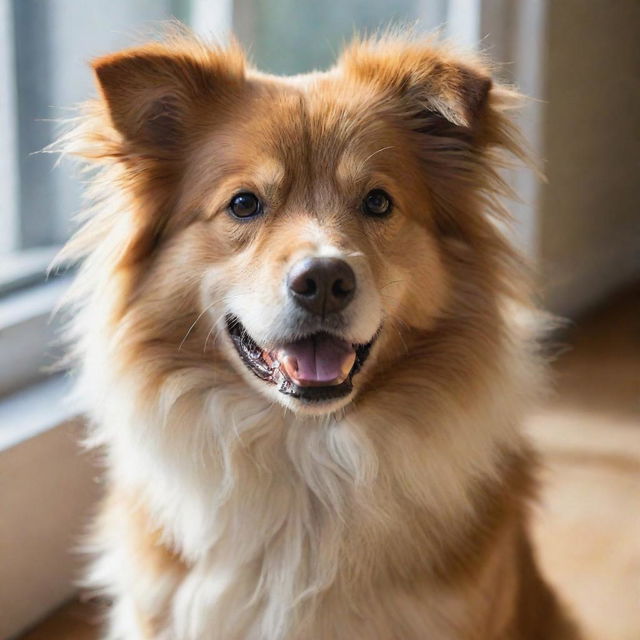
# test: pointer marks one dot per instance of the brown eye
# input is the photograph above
(377, 203)
(245, 205)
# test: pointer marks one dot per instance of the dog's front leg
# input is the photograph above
(134, 569)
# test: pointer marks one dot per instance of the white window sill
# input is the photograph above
(31, 411)
(19, 269)
(48, 489)
(29, 333)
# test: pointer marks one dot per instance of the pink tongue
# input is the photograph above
(319, 360)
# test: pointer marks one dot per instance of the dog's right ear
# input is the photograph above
(153, 92)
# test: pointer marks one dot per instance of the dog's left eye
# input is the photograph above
(377, 203)
(245, 205)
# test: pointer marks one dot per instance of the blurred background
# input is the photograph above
(578, 61)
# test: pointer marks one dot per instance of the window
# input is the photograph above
(44, 49)
(289, 36)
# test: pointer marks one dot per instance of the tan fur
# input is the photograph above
(398, 514)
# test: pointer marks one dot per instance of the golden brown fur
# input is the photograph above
(398, 513)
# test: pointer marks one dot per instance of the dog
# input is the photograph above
(298, 327)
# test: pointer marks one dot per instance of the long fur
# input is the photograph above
(229, 516)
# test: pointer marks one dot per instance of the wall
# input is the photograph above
(47, 493)
(589, 225)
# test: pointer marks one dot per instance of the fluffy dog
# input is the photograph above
(296, 328)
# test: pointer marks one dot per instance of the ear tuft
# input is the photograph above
(151, 91)
(474, 90)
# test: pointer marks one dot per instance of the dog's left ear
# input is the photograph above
(421, 77)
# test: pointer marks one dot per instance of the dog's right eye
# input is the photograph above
(245, 205)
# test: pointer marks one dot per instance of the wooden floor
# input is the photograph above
(74, 621)
(587, 526)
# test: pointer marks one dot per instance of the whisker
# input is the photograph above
(224, 297)
(215, 330)
(186, 335)
(376, 153)
(206, 340)
(390, 283)
(397, 330)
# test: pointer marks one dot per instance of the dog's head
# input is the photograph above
(296, 231)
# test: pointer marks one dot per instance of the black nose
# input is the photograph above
(322, 285)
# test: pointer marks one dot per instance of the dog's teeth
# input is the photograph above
(268, 358)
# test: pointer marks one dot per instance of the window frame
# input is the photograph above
(8, 141)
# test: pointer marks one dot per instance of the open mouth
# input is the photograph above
(315, 368)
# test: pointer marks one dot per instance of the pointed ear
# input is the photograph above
(457, 92)
(151, 92)
(423, 76)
